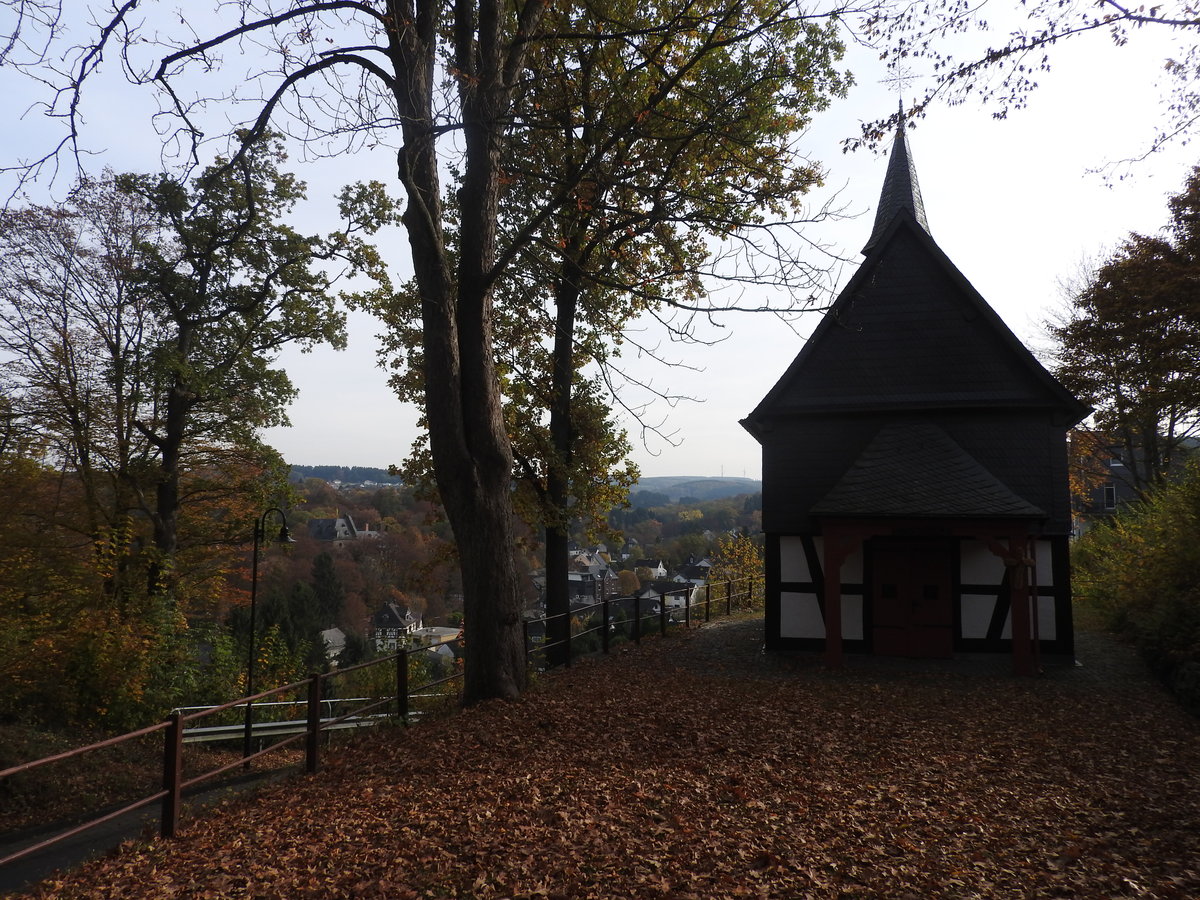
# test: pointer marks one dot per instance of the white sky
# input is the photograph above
(1011, 202)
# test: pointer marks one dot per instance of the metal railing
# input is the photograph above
(322, 714)
(662, 609)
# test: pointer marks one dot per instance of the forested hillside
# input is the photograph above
(344, 474)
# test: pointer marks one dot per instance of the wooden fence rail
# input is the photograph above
(308, 730)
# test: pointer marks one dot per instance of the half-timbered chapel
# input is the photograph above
(915, 493)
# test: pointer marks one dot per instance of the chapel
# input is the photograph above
(915, 488)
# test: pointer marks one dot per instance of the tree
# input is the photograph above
(234, 285)
(648, 203)
(328, 588)
(713, 162)
(1131, 340)
(373, 67)
(78, 341)
(143, 318)
(1004, 72)
(628, 583)
(738, 557)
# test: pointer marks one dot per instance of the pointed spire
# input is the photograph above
(900, 187)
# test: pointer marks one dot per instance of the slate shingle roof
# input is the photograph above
(901, 190)
(340, 528)
(915, 469)
(909, 331)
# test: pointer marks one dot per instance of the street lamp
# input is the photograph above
(260, 533)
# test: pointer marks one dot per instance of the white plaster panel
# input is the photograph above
(977, 612)
(793, 564)
(1045, 562)
(977, 615)
(852, 617)
(800, 616)
(1047, 625)
(979, 565)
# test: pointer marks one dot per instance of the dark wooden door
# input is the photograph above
(911, 610)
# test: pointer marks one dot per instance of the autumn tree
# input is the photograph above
(78, 341)
(234, 284)
(628, 582)
(143, 318)
(650, 204)
(449, 83)
(715, 164)
(738, 558)
(1130, 342)
(1089, 452)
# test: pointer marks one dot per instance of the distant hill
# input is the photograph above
(673, 487)
(678, 486)
(344, 474)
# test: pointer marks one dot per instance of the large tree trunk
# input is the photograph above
(472, 458)
(562, 437)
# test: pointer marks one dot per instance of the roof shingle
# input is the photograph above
(915, 469)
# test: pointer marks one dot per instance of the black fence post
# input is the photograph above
(604, 625)
(172, 775)
(707, 602)
(729, 598)
(637, 619)
(402, 684)
(662, 614)
(687, 609)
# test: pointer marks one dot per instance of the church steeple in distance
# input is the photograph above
(900, 187)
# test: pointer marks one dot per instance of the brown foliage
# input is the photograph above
(687, 770)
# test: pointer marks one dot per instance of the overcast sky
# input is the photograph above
(1010, 201)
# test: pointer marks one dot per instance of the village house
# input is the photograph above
(392, 627)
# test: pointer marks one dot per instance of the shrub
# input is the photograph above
(1139, 574)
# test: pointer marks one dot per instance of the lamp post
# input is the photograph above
(284, 537)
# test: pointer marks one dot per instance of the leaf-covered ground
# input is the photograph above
(698, 767)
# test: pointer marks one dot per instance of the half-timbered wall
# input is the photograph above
(983, 619)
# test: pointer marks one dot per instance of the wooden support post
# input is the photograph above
(172, 776)
(662, 614)
(637, 619)
(833, 611)
(312, 737)
(707, 601)
(1022, 632)
(838, 546)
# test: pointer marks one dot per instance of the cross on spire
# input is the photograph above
(902, 78)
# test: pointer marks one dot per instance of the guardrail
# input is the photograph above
(595, 623)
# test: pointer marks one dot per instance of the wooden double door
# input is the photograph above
(912, 611)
